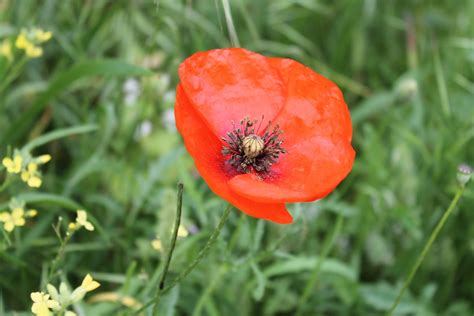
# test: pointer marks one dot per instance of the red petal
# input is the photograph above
(314, 105)
(206, 148)
(310, 171)
(227, 85)
(317, 134)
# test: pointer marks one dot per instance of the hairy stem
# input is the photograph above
(212, 239)
(179, 205)
(426, 249)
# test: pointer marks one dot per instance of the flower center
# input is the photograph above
(248, 150)
(252, 146)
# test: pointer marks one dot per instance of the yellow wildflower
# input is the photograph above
(13, 165)
(33, 51)
(42, 304)
(157, 244)
(22, 41)
(81, 220)
(43, 159)
(31, 213)
(72, 226)
(63, 298)
(31, 175)
(42, 36)
(15, 218)
(24, 163)
(89, 284)
(6, 50)
(28, 40)
(182, 231)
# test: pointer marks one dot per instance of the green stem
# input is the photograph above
(6, 182)
(426, 249)
(328, 245)
(59, 256)
(179, 205)
(203, 251)
(196, 261)
(15, 71)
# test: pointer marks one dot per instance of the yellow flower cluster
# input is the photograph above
(58, 301)
(16, 216)
(81, 221)
(42, 304)
(26, 165)
(29, 40)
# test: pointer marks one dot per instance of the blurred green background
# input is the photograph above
(406, 69)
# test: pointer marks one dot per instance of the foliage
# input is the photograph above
(99, 101)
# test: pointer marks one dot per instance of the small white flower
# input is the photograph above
(131, 89)
(131, 86)
(144, 129)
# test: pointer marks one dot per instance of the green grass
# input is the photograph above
(407, 72)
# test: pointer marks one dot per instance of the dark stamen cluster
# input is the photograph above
(245, 150)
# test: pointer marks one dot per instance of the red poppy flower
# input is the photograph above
(263, 131)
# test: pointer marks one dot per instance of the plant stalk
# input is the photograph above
(426, 249)
(212, 239)
(177, 222)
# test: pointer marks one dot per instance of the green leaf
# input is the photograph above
(60, 83)
(261, 281)
(169, 302)
(57, 134)
(374, 104)
(46, 198)
(381, 296)
(299, 264)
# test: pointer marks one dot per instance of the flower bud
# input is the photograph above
(31, 213)
(43, 159)
(78, 294)
(64, 294)
(464, 174)
(407, 88)
(53, 292)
